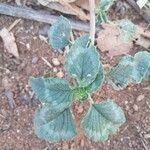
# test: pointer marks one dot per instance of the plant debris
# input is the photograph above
(9, 42)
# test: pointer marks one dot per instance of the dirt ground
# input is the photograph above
(17, 103)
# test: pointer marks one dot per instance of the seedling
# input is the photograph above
(53, 121)
(103, 7)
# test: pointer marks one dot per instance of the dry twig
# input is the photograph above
(41, 16)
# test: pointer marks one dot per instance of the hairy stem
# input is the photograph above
(92, 20)
(90, 99)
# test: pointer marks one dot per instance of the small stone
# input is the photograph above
(80, 109)
(61, 59)
(55, 62)
(43, 38)
(65, 146)
(147, 136)
(126, 102)
(82, 143)
(28, 46)
(127, 107)
(60, 74)
(55, 70)
(140, 98)
(34, 60)
(135, 107)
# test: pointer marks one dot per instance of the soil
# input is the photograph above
(17, 103)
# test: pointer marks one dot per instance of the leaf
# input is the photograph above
(82, 41)
(66, 7)
(80, 93)
(130, 70)
(97, 83)
(141, 67)
(82, 64)
(84, 4)
(9, 42)
(52, 90)
(110, 40)
(52, 125)
(128, 29)
(120, 75)
(59, 33)
(103, 119)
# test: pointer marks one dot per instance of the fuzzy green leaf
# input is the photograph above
(103, 119)
(52, 90)
(80, 93)
(82, 64)
(127, 28)
(59, 33)
(130, 70)
(97, 83)
(82, 41)
(120, 75)
(141, 66)
(52, 125)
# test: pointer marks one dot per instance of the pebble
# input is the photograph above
(28, 46)
(140, 98)
(65, 146)
(55, 61)
(135, 107)
(82, 143)
(55, 70)
(60, 74)
(34, 60)
(61, 59)
(80, 109)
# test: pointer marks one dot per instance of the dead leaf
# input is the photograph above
(109, 39)
(9, 42)
(143, 38)
(84, 4)
(65, 7)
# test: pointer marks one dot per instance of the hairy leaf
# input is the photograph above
(128, 29)
(120, 75)
(80, 93)
(97, 83)
(82, 64)
(52, 125)
(82, 41)
(103, 119)
(52, 90)
(130, 70)
(141, 66)
(59, 33)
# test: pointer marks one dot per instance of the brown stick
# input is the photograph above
(145, 16)
(41, 16)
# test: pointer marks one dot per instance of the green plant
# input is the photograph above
(53, 120)
(103, 7)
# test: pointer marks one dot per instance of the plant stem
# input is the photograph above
(92, 20)
(90, 99)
